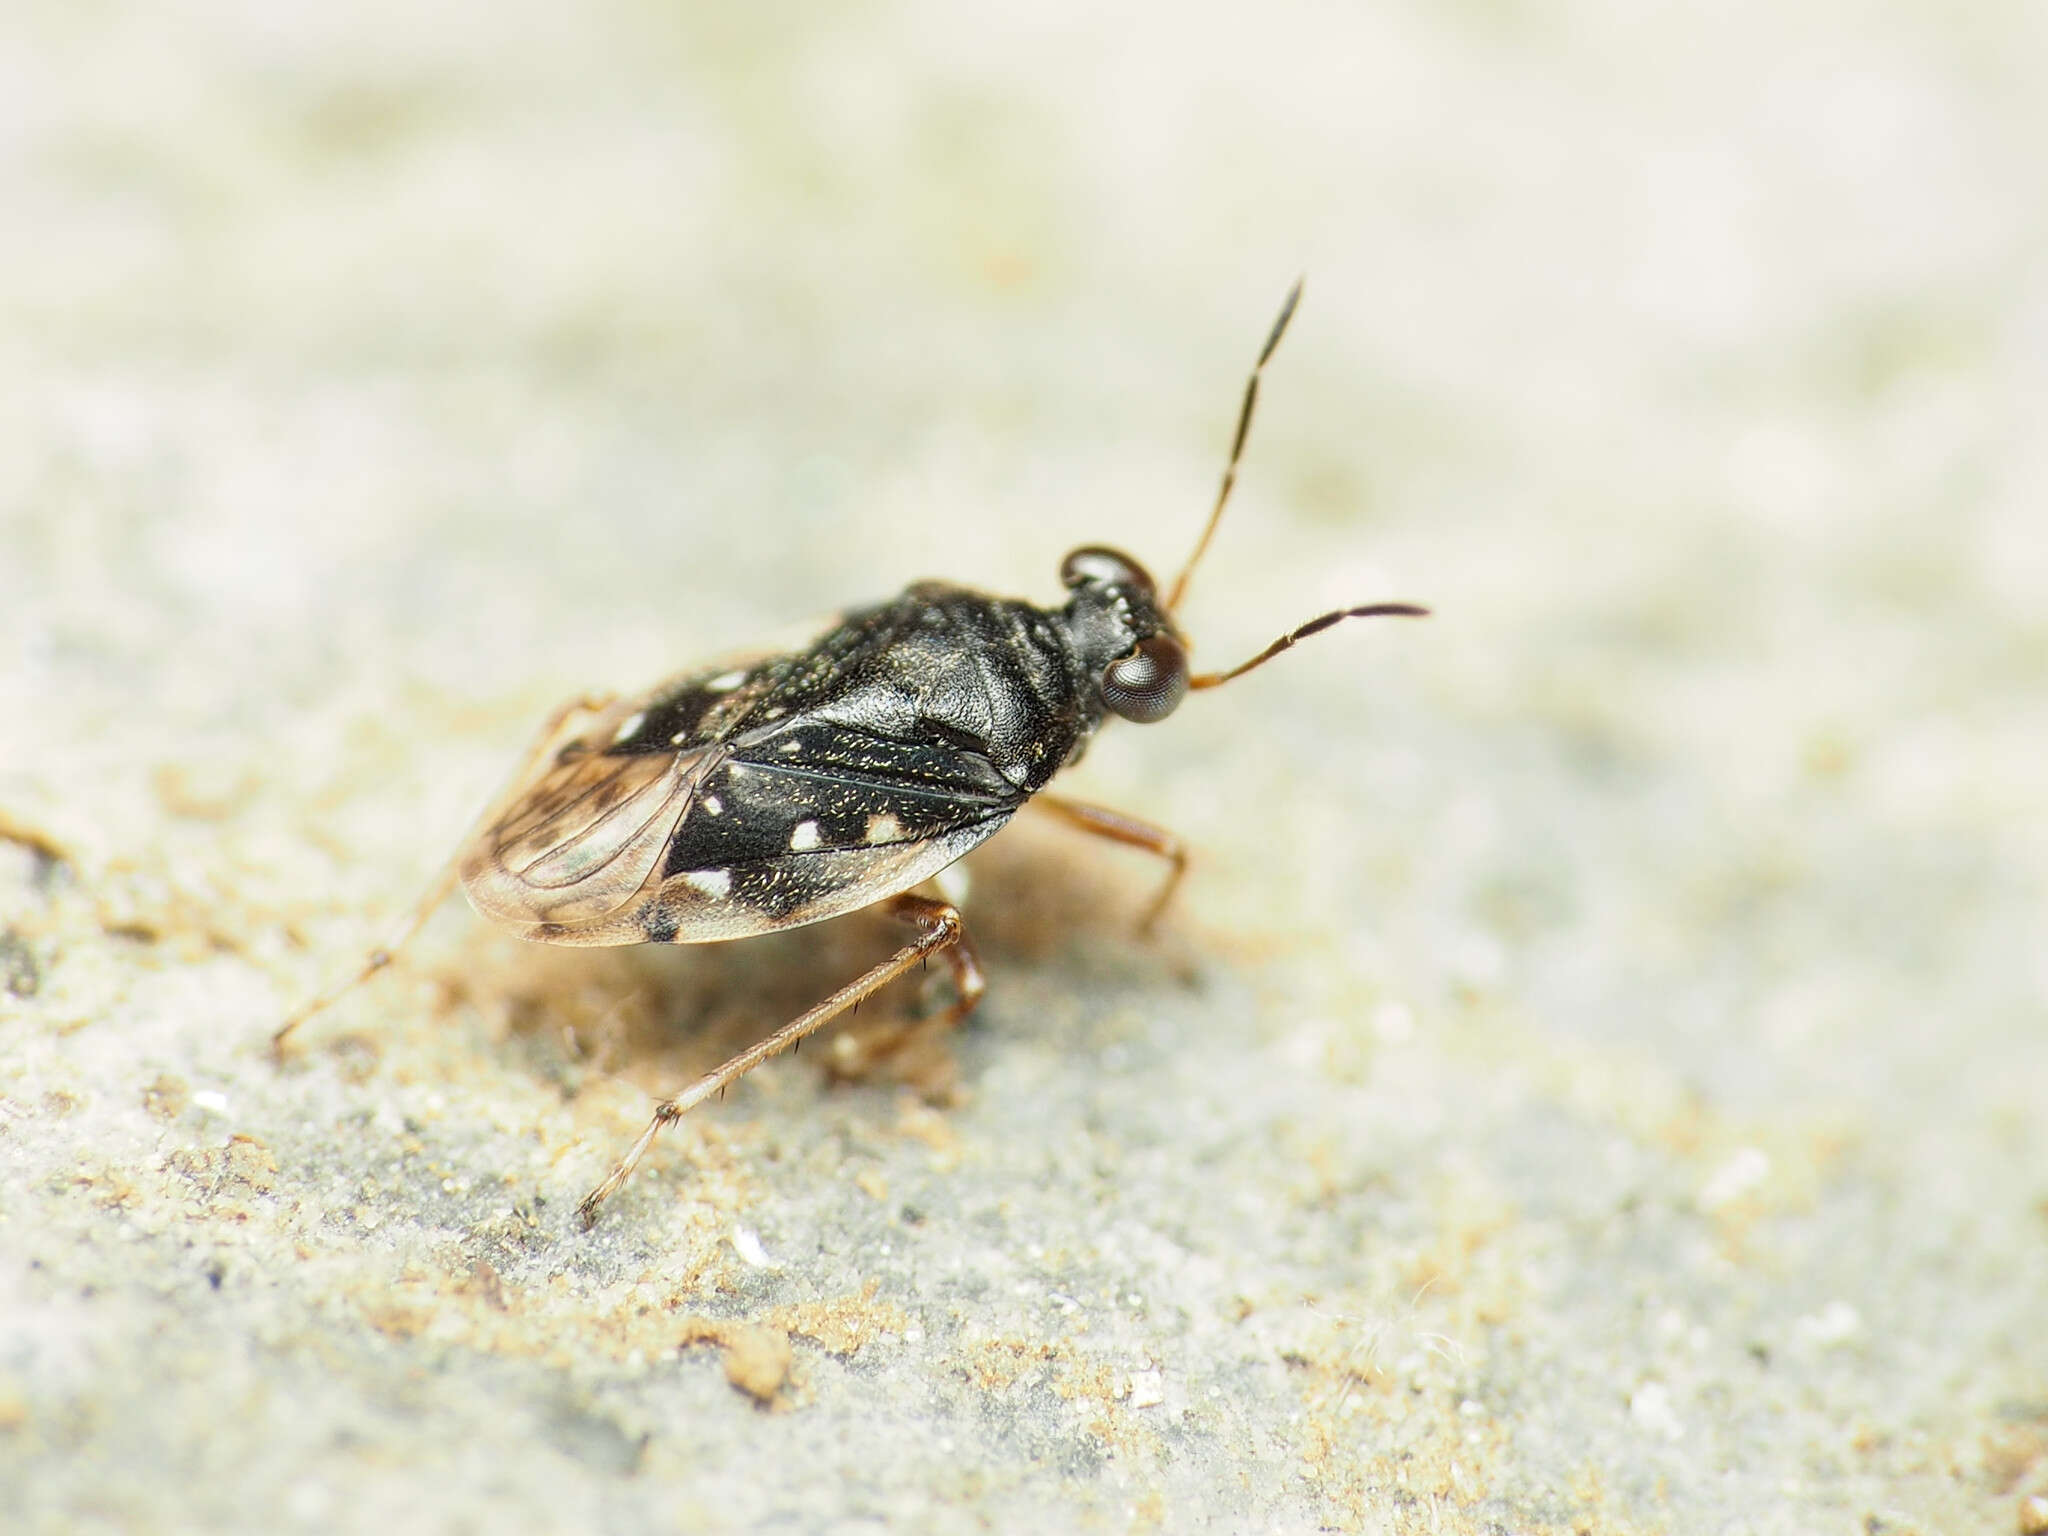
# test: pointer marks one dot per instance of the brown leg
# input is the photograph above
(968, 984)
(940, 932)
(1119, 828)
(858, 1047)
(437, 893)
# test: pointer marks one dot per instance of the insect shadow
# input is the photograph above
(656, 1014)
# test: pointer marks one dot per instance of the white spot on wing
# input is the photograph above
(805, 837)
(883, 828)
(716, 883)
(629, 729)
(713, 805)
(725, 682)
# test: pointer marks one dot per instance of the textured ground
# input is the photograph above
(1597, 1078)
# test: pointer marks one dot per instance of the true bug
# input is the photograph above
(746, 797)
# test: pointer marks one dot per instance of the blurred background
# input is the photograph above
(1595, 1077)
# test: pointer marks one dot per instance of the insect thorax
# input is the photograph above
(964, 678)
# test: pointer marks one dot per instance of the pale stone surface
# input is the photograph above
(1596, 1079)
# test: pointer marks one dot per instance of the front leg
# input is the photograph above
(1133, 833)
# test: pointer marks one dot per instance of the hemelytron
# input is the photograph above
(746, 797)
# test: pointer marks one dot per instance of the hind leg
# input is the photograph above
(940, 932)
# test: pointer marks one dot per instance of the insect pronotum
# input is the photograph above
(737, 800)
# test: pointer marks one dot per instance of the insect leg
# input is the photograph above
(968, 982)
(444, 882)
(857, 1048)
(940, 932)
(1129, 830)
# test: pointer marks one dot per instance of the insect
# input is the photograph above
(750, 796)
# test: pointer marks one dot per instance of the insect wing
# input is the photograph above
(707, 812)
(813, 817)
(573, 853)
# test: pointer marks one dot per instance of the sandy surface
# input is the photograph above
(1596, 1079)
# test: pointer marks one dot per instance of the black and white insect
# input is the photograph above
(750, 796)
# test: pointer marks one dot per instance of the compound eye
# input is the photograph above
(1148, 684)
(1096, 566)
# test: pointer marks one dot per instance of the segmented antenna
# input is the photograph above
(1244, 427)
(1312, 627)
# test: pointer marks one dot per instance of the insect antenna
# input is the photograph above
(1313, 627)
(1244, 427)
